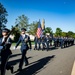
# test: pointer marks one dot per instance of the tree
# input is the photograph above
(22, 22)
(3, 15)
(58, 32)
(74, 35)
(3, 19)
(33, 28)
(16, 33)
(48, 30)
(70, 34)
(63, 34)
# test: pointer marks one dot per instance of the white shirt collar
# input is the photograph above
(23, 35)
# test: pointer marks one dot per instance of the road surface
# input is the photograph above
(53, 62)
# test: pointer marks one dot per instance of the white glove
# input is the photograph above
(14, 48)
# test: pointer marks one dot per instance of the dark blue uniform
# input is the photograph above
(6, 42)
(24, 48)
(5, 54)
(43, 40)
(61, 40)
(36, 41)
(47, 42)
(39, 43)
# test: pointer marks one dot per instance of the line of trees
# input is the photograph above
(23, 21)
(3, 17)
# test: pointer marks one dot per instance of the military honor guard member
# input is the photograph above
(5, 44)
(43, 40)
(24, 39)
(47, 41)
(39, 43)
(35, 41)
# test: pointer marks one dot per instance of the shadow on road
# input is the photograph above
(14, 62)
(36, 67)
(14, 55)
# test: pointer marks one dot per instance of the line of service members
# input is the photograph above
(46, 41)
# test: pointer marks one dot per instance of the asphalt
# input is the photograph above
(53, 62)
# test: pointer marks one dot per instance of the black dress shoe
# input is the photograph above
(11, 69)
(26, 64)
(19, 70)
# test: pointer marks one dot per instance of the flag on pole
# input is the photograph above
(43, 25)
(39, 30)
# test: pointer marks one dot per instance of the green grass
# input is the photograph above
(32, 43)
(13, 44)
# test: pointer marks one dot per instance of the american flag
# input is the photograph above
(39, 30)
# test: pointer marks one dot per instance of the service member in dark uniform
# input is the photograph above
(43, 40)
(55, 41)
(35, 40)
(24, 39)
(39, 43)
(47, 42)
(5, 42)
(61, 40)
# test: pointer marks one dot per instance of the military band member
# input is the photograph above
(24, 39)
(6, 42)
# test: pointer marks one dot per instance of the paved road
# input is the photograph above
(52, 62)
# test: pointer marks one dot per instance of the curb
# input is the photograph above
(73, 69)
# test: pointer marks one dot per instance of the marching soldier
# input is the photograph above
(35, 40)
(47, 42)
(50, 40)
(64, 42)
(24, 39)
(58, 43)
(6, 42)
(43, 42)
(61, 42)
(55, 41)
(39, 43)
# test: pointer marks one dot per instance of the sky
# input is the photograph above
(57, 13)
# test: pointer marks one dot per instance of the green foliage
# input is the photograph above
(70, 34)
(48, 30)
(3, 19)
(58, 32)
(22, 22)
(74, 35)
(33, 28)
(3, 15)
(16, 33)
(64, 34)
